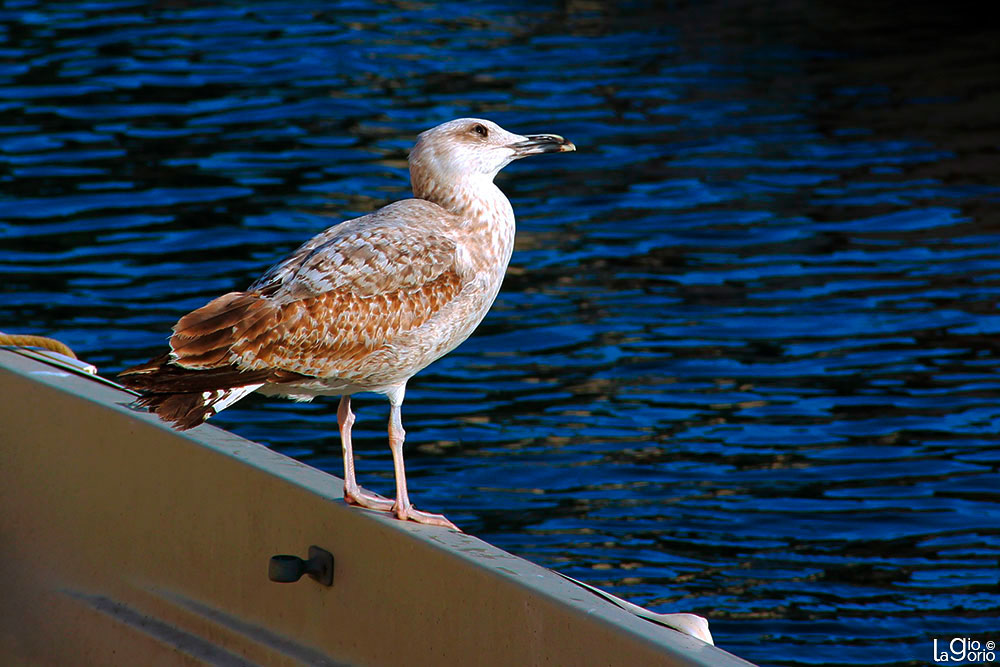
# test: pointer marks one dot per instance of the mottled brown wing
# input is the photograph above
(344, 295)
(400, 245)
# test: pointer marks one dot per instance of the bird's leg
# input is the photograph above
(403, 508)
(352, 492)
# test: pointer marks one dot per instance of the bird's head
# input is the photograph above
(474, 149)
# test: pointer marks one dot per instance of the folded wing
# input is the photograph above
(346, 294)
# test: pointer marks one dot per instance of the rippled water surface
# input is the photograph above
(746, 361)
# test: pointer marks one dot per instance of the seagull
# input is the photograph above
(362, 306)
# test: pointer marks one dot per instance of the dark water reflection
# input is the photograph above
(746, 361)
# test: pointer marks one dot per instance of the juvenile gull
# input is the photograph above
(362, 306)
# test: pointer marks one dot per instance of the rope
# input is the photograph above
(52, 344)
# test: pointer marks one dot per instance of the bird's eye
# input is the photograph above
(480, 130)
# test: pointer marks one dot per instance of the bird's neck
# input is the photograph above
(474, 201)
(484, 213)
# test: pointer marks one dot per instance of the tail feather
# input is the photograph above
(190, 409)
(209, 359)
(200, 377)
(205, 338)
(187, 397)
(164, 375)
(220, 313)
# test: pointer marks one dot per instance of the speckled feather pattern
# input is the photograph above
(365, 304)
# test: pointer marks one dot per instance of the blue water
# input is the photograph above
(746, 362)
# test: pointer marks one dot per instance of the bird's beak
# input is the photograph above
(535, 144)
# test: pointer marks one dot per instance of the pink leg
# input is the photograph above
(403, 508)
(353, 493)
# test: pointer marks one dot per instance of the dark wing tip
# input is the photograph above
(183, 411)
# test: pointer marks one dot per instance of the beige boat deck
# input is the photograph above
(127, 543)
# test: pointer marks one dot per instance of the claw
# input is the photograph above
(411, 513)
(369, 500)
